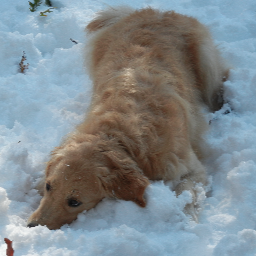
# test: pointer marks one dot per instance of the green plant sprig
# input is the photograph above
(34, 5)
(37, 3)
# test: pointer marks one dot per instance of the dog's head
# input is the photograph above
(80, 175)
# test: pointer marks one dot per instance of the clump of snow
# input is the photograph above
(41, 106)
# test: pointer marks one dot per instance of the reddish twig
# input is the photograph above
(23, 67)
(9, 250)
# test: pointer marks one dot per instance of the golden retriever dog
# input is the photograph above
(153, 74)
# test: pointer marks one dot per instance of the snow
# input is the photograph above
(40, 107)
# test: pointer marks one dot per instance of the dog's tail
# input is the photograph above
(108, 17)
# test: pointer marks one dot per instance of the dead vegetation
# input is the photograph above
(23, 67)
(9, 250)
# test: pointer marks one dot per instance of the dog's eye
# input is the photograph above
(48, 187)
(73, 203)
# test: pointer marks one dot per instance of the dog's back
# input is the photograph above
(160, 41)
(153, 72)
(165, 58)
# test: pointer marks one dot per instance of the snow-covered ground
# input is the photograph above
(38, 108)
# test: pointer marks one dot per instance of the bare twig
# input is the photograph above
(72, 40)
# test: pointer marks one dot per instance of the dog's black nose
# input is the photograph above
(32, 224)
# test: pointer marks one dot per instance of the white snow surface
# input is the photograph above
(41, 106)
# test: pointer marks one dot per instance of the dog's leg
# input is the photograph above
(196, 175)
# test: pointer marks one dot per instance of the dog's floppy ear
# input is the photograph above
(128, 185)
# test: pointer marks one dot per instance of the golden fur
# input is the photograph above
(153, 72)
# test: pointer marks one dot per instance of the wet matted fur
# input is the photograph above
(153, 73)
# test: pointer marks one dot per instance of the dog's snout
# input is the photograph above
(32, 224)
